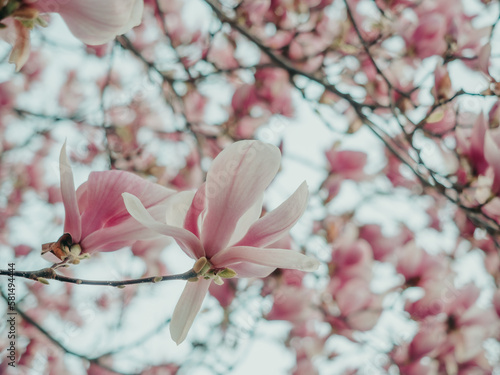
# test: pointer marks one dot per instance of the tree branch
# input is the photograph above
(50, 274)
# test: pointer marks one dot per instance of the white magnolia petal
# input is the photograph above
(275, 224)
(279, 258)
(97, 22)
(188, 242)
(177, 207)
(248, 218)
(187, 308)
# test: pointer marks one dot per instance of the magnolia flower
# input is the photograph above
(93, 22)
(221, 227)
(96, 218)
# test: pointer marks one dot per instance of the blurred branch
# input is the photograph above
(57, 343)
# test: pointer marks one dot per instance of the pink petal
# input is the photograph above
(273, 226)
(22, 46)
(483, 59)
(248, 218)
(197, 206)
(492, 156)
(177, 206)
(104, 204)
(187, 308)
(188, 242)
(96, 21)
(236, 179)
(277, 258)
(72, 221)
(123, 234)
(251, 270)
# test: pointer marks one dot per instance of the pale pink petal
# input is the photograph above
(248, 218)
(188, 242)
(22, 46)
(177, 206)
(193, 214)
(104, 204)
(72, 221)
(237, 178)
(278, 258)
(187, 308)
(123, 234)
(274, 225)
(492, 156)
(483, 58)
(251, 270)
(96, 21)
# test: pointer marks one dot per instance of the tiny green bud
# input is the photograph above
(120, 286)
(79, 281)
(157, 279)
(43, 280)
(227, 273)
(193, 279)
(218, 280)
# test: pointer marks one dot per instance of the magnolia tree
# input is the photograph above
(239, 187)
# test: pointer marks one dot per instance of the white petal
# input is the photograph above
(275, 224)
(279, 258)
(187, 308)
(188, 242)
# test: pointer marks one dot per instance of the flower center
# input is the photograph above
(205, 269)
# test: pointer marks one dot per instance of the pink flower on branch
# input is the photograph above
(222, 228)
(94, 22)
(96, 218)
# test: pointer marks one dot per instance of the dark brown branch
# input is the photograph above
(50, 274)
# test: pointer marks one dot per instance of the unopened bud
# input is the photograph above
(157, 279)
(120, 286)
(201, 266)
(193, 279)
(43, 280)
(26, 13)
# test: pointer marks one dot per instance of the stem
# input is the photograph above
(50, 274)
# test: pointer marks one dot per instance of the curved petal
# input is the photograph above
(248, 218)
(492, 156)
(196, 208)
(72, 220)
(188, 242)
(274, 225)
(104, 203)
(187, 308)
(96, 22)
(123, 234)
(235, 180)
(177, 207)
(251, 270)
(278, 258)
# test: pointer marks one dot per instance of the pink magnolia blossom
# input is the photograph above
(96, 218)
(221, 227)
(93, 22)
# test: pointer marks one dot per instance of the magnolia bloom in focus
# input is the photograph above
(93, 22)
(95, 216)
(222, 228)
